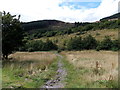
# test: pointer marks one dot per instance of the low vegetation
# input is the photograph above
(39, 45)
(91, 69)
(62, 40)
(28, 70)
(75, 43)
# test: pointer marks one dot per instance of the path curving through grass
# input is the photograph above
(58, 80)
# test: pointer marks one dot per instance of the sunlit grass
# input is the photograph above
(84, 73)
(98, 34)
(28, 70)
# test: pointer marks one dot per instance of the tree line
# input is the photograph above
(89, 42)
(76, 43)
(38, 45)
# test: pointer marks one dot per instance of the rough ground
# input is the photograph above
(58, 80)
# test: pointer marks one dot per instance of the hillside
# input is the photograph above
(61, 40)
(50, 24)
(50, 28)
(41, 28)
(46, 25)
(115, 16)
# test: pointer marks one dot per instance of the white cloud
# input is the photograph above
(31, 10)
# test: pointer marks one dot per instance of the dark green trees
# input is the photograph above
(49, 45)
(75, 44)
(39, 45)
(108, 44)
(89, 42)
(116, 45)
(12, 34)
(78, 43)
(34, 46)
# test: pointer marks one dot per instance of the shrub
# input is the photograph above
(89, 42)
(30, 49)
(40, 46)
(75, 44)
(106, 44)
(49, 45)
(116, 45)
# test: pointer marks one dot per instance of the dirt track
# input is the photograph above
(58, 80)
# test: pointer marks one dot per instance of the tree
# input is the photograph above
(106, 44)
(34, 45)
(39, 45)
(49, 45)
(115, 45)
(12, 34)
(75, 44)
(89, 42)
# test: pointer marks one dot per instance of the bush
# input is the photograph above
(30, 49)
(75, 44)
(40, 46)
(89, 42)
(116, 45)
(49, 45)
(97, 48)
(59, 50)
(34, 45)
(106, 44)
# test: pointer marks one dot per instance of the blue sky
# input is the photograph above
(80, 5)
(64, 10)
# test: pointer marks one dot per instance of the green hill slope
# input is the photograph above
(117, 15)
(50, 28)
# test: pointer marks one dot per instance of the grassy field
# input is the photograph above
(91, 69)
(85, 69)
(28, 69)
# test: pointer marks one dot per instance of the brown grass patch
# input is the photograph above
(28, 69)
(33, 60)
(33, 56)
(100, 34)
(102, 65)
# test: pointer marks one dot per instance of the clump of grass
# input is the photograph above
(107, 83)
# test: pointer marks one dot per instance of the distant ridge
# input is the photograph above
(115, 16)
(52, 27)
(40, 24)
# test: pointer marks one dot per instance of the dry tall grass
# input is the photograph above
(33, 56)
(32, 61)
(102, 65)
(27, 69)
